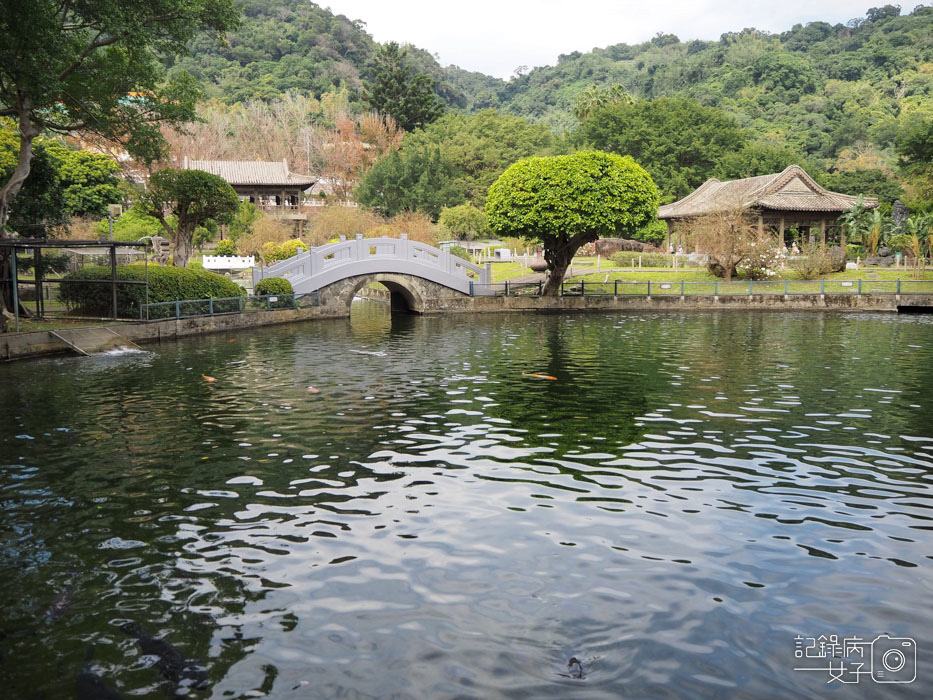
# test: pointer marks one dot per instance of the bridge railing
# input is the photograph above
(326, 258)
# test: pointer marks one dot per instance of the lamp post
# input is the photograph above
(114, 211)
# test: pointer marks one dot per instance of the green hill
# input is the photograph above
(845, 97)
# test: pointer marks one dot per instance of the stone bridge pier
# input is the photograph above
(409, 294)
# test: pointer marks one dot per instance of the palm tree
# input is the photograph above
(876, 231)
(854, 221)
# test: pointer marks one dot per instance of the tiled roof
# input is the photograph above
(252, 172)
(789, 190)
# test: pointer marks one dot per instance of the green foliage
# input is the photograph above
(589, 193)
(785, 75)
(678, 141)
(242, 224)
(87, 296)
(273, 285)
(567, 201)
(52, 262)
(461, 252)
(479, 147)
(97, 64)
(758, 158)
(625, 258)
(194, 197)
(398, 91)
(595, 97)
(871, 182)
(89, 180)
(273, 252)
(415, 179)
(654, 232)
(464, 222)
(813, 262)
(226, 248)
(40, 205)
(131, 226)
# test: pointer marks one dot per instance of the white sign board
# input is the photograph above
(228, 262)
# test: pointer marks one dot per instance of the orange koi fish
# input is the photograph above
(539, 376)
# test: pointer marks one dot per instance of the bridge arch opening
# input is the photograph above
(399, 295)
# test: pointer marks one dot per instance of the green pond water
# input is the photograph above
(692, 503)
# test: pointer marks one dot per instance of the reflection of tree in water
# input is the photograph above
(601, 387)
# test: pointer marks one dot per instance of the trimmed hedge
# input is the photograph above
(88, 290)
(273, 285)
(624, 259)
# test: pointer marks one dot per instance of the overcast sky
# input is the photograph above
(497, 36)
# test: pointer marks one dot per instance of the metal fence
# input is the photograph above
(715, 288)
(218, 306)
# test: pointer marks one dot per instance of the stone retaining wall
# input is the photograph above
(21, 345)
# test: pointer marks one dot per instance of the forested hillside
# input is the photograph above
(295, 45)
(853, 102)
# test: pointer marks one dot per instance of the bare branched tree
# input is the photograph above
(729, 236)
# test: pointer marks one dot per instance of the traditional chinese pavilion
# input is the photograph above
(788, 199)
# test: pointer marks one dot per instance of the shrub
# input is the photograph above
(464, 222)
(461, 252)
(52, 262)
(653, 232)
(267, 234)
(132, 226)
(624, 259)
(225, 247)
(87, 290)
(274, 286)
(761, 262)
(418, 226)
(333, 222)
(290, 249)
(813, 262)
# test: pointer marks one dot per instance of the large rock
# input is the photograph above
(878, 261)
(606, 247)
(837, 259)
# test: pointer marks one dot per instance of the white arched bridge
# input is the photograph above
(414, 273)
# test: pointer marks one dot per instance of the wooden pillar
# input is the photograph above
(823, 231)
(282, 203)
(782, 230)
(761, 225)
(842, 234)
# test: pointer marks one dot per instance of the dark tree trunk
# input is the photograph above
(27, 134)
(559, 252)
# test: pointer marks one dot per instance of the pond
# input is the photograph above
(584, 506)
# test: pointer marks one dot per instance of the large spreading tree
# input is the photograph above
(182, 200)
(565, 202)
(95, 67)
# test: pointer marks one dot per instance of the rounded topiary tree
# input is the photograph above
(273, 285)
(564, 202)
